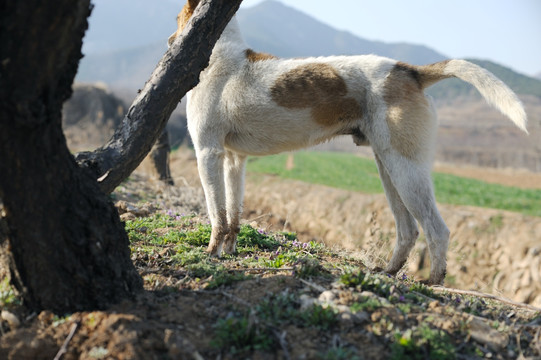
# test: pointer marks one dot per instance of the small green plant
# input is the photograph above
(306, 267)
(339, 353)
(320, 317)
(225, 278)
(372, 282)
(421, 289)
(422, 343)
(251, 238)
(369, 304)
(238, 334)
(198, 237)
(8, 297)
(277, 309)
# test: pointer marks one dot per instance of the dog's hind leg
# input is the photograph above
(412, 180)
(406, 226)
(234, 168)
(210, 163)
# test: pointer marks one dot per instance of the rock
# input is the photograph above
(481, 332)
(11, 319)
(307, 301)
(327, 296)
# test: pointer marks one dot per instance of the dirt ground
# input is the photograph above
(175, 318)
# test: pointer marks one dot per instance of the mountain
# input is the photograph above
(135, 41)
(269, 26)
(125, 24)
(283, 31)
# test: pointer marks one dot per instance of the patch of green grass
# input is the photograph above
(252, 239)
(237, 334)
(457, 190)
(344, 171)
(224, 278)
(278, 309)
(285, 309)
(339, 353)
(376, 283)
(306, 267)
(320, 317)
(421, 289)
(350, 172)
(422, 343)
(369, 304)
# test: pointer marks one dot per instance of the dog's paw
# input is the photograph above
(214, 251)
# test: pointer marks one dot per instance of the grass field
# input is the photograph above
(350, 172)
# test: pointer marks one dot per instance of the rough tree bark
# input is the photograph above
(60, 236)
(150, 111)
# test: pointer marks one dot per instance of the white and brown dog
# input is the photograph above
(250, 103)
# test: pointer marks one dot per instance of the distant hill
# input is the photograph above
(126, 69)
(269, 26)
(283, 31)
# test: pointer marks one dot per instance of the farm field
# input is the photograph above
(350, 172)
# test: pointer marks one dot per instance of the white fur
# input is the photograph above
(231, 115)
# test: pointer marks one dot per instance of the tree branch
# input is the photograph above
(176, 74)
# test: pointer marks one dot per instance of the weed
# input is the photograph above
(422, 343)
(225, 278)
(421, 289)
(318, 316)
(339, 353)
(369, 304)
(405, 308)
(238, 334)
(277, 309)
(8, 297)
(251, 238)
(306, 267)
(198, 237)
(59, 320)
(188, 255)
(375, 283)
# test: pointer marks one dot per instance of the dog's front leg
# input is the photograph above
(210, 163)
(234, 168)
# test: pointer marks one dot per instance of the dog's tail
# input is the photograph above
(495, 92)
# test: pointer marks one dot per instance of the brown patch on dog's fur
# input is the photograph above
(425, 75)
(253, 56)
(320, 87)
(408, 110)
(182, 19)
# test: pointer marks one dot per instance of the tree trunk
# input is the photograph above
(176, 74)
(60, 236)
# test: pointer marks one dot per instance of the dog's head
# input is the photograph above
(182, 19)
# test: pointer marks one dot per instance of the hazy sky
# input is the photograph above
(505, 31)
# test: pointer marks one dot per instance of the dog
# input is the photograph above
(250, 103)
